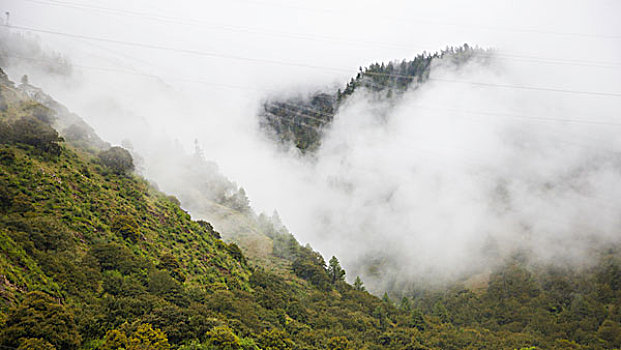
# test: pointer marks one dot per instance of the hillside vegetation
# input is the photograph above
(93, 257)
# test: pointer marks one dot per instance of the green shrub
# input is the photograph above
(34, 132)
(7, 156)
(126, 227)
(35, 344)
(117, 159)
(223, 338)
(40, 316)
(275, 339)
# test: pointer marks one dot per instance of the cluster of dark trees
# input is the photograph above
(300, 121)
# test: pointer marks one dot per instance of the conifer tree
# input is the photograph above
(358, 285)
(335, 272)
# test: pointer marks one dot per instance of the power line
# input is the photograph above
(137, 73)
(521, 116)
(507, 86)
(178, 50)
(309, 66)
(296, 123)
(523, 87)
(147, 75)
(184, 21)
(299, 110)
(321, 128)
(425, 20)
(308, 110)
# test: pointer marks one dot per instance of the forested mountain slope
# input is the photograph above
(302, 120)
(93, 257)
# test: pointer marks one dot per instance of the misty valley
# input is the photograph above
(200, 193)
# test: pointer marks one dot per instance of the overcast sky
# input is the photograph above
(334, 36)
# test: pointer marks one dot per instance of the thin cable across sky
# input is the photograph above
(302, 65)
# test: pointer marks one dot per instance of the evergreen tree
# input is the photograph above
(358, 285)
(417, 320)
(405, 304)
(335, 272)
(386, 298)
(381, 315)
(441, 312)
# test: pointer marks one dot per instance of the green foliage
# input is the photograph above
(310, 266)
(209, 228)
(223, 338)
(299, 120)
(144, 337)
(6, 198)
(358, 285)
(117, 159)
(285, 246)
(29, 130)
(75, 132)
(7, 156)
(163, 285)
(194, 345)
(170, 263)
(113, 256)
(236, 253)
(40, 316)
(275, 339)
(339, 343)
(114, 339)
(405, 304)
(147, 338)
(35, 344)
(610, 331)
(440, 311)
(38, 111)
(386, 299)
(126, 227)
(417, 319)
(335, 272)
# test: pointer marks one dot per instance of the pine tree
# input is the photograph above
(335, 272)
(441, 312)
(358, 285)
(405, 304)
(386, 298)
(417, 320)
